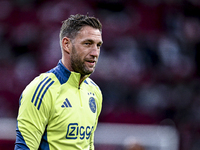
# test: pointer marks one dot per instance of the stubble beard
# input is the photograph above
(78, 65)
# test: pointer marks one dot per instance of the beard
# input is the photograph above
(78, 65)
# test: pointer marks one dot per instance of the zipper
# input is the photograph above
(79, 91)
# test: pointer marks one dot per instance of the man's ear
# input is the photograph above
(66, 44)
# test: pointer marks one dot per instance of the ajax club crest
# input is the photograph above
(92, 104)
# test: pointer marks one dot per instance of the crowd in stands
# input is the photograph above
(148, 70)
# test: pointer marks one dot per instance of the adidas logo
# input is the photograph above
(66, 103)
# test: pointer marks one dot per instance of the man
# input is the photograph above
(59, 109)
(131, 143)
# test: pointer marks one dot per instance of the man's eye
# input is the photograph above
(99, 46)
(87, 43)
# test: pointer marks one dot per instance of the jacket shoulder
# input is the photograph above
(90, 82)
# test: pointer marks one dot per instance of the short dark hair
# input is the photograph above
(74, 23)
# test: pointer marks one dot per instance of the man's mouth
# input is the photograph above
(91, 62)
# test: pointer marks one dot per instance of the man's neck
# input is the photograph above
(83, 77)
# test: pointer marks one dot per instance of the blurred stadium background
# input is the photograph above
(148, 71)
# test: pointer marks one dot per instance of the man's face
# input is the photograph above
(85, 50)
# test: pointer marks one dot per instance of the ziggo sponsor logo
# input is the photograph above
(74, 131)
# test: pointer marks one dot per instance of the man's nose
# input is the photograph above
(95, 51)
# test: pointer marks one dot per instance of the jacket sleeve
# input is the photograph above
(99, 107)
(33, 114)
